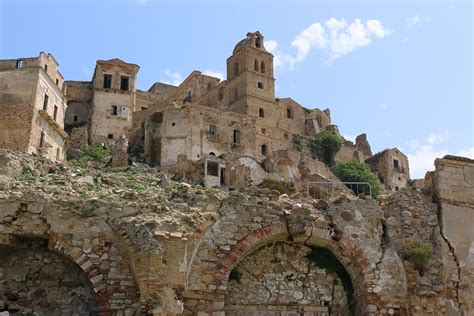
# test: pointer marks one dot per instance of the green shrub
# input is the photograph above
(325, 146)
(95, 153)
(420, 255)
(355, 171)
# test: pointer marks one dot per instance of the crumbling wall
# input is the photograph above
(453, 184)
(280, 276)
(42, 282)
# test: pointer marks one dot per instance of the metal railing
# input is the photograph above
(321, 185)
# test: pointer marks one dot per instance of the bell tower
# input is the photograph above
(250, 69)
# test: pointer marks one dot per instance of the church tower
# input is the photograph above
(250, 75)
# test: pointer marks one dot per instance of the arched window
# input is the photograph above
(264, 150)
(289, 113)
(261, 113)
(262, 67)
(255, 65)
(257, 41)
(221, 94)
(236, 69)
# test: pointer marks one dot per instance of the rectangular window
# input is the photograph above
(124, 83)
(57, 82)
(41, 144)
(107, 81)
(46, 68)
(396, 165)
(110, 136)
(114, 110)
(260, 85)
(212, 168)
(19, 64)
(236, 136)
(55, 114)
(75, 118)
(212, 132)
(45, 102)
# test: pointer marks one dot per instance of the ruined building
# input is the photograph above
(32, 106)
(87, 239)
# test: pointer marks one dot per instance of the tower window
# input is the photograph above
(19, 64)
(236, 136)
(46, 68)
(124, 80)
(255, 65)
(396, 164)
(45, 102)
(55, 113)
(261, 113)
(257, 41)
(107, 81)
(57, 81)
(262, 67)
(189, 97)
(75, 118)
(212, 135)
(260, 85)
(110, 136)
(289, 113)
(236, 69)
(264, 150)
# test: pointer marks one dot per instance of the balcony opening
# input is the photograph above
(124, 81)
(212, 134)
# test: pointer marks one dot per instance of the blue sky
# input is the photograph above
(401, 71)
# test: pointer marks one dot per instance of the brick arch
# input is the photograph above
(210, 297)
(99, 276)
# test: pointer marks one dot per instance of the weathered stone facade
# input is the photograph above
(179, 249)
(391, 167)
(32, 106)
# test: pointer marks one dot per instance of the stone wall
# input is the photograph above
(41, 282)
(279, 277)
(453, 184)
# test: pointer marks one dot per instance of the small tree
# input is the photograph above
(325, 146)
(355, 171)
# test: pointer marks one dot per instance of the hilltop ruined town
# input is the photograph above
(208, 198)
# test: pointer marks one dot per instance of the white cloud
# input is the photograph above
(383, 107)
(213, 73)
(415, 20)
(173, 78)
(438, 137)
(142, 2)
(334, 37)
(422, 157)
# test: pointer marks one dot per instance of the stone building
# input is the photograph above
(32, 106)
(391, 167)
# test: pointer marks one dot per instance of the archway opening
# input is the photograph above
(38, 281)
(287, 277)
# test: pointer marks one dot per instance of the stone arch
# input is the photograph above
(95, 261)
(52, 277)
(210, 265)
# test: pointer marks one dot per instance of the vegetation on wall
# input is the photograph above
(94, 153)
(420, 255)
(324, 259)
(325, 146)
(355, 171)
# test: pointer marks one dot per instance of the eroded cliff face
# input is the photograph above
(133, 241)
